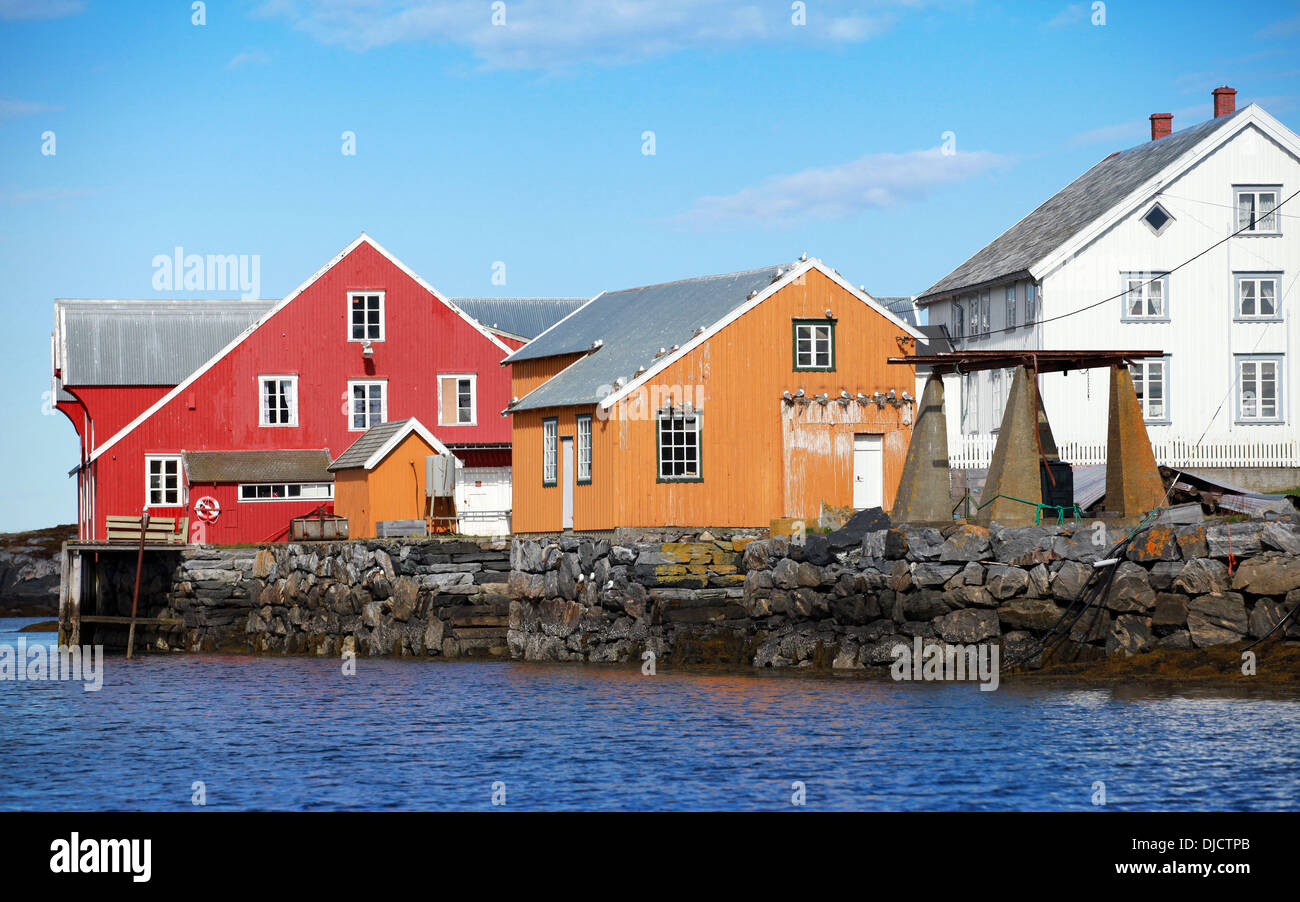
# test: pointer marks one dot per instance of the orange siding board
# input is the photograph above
(526, 375)
(393, 490)
(757, 464)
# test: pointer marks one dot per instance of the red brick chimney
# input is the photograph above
(1225, 101)
(1161, 125)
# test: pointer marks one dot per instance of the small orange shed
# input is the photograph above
(381, 476)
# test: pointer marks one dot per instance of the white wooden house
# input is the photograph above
(1132, 254)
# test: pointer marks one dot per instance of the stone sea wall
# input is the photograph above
(427, 598)
(771, 603)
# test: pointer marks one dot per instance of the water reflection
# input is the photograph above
(294, 733)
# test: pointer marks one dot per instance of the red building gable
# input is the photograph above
(364, 340)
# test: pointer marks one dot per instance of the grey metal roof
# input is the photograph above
(633, 325)
(1071, 209)
(900, 307)
(367, 444)
(258, 466)
(144, 342)
(525, 317)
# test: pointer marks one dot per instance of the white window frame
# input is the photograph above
(671, 416)
(1032, 299)
(262, 409)
(1144, 282)
(1009, 298)
(958, 319)
(814, 343)
(970, 403)
(473, 400)
(1254, 191)
(383, 403)
(307, 491)
(180, 480)
(1279, 397)
(366, 294)
(550, 451)
(1257, 279)
(986, 311)
(1142, 380)
(1169, 218)
(583, 448)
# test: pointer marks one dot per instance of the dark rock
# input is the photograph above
(1130, 590)
(967, 543)
(968, 626)
(1176, 639)
(1282, 537)
(1271, 573)
(1192, 543)
(1163, 574)
(1004, 582)
(1238, 539)
(1029, 614)
(927, 575)
(1159, 543)
(851, 533)
(896, 542)
(1217, 619)
(1202, 576)
(924, 604)
(1170, 613)
(1130, 635)
(1265, 615)
(1068, 582)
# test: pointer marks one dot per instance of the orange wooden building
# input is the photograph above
(381, 476)
(723, 401)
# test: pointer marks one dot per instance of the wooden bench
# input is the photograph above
(160, 531)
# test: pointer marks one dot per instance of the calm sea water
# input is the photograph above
(296, 734)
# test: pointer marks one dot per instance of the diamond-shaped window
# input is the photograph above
(1157, 218)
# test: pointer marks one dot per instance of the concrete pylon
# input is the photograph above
(924, 492)
(1014, 470)
(1133, 484)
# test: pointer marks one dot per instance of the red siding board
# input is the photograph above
(309, 338)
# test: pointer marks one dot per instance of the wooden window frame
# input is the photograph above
(809, 323)
(180, 480)
(367, 293)
(583, 419)
(551, 455)
(659, 445)
(262, 380)
(383, 403)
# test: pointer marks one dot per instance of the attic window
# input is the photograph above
(1157, 219)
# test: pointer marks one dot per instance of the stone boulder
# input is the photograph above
(1033, 614)
(968, 626)
(1003, 581)
(1130, 635)
(1271, 573)
(966, 543)
(1217, 619)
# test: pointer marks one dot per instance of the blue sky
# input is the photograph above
(523, 143)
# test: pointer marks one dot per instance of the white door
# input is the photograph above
(566, 455)
(868, 471)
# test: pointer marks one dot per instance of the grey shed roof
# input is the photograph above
(525, 317)
(1071, 209)
(149, 342)
(258, 466)
(634, 324)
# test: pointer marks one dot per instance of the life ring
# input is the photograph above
(207, 509)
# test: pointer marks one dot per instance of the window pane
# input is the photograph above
(1267, 297)
(1245, 211)
(1247, 297)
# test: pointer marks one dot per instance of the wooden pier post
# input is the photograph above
(135, 595)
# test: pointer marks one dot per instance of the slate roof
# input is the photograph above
(376, 437)
(1071, 209)
(144, 342)
(258, 466)
(525, 317)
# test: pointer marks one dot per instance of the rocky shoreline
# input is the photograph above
(29, 571)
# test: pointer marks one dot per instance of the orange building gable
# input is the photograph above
(725, 401)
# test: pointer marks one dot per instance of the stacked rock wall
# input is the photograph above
(768, 602)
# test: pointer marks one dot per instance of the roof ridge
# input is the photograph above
(721, 275)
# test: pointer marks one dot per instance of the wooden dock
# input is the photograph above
(80, 592)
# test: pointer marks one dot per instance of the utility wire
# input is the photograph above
(1114, 297)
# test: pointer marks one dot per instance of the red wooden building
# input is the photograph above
(255, 397)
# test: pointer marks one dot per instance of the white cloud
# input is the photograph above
(13, 109)
(549, 34)
(1282, 29)
(1071, 15)
(248, 58)
(40, 9)
(840, 192)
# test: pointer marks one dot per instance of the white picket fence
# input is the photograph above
(976, 452)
